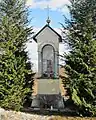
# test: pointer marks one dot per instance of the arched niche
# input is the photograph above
(48, 61)
(40, 46)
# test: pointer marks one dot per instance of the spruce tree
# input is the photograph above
(15, 70)
(81, 60)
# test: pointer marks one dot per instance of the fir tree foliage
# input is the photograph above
(15, 70)
(81, 60)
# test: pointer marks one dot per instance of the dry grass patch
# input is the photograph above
(73, 118)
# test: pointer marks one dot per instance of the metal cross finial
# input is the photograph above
(48, 20)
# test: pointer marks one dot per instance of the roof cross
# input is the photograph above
(48, 19)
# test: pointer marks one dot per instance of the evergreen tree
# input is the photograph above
(81, 60)
(15, 70)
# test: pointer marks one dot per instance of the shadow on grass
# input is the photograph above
(70, 110)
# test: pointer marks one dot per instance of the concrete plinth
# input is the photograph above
(48, 86)
(48, 94)
(48, 101)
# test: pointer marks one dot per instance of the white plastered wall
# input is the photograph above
(47, 36)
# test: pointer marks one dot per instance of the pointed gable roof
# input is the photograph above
(34, 37)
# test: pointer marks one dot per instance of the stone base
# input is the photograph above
(48, 101)
(35, 102)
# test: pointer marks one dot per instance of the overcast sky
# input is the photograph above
(39, 13)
